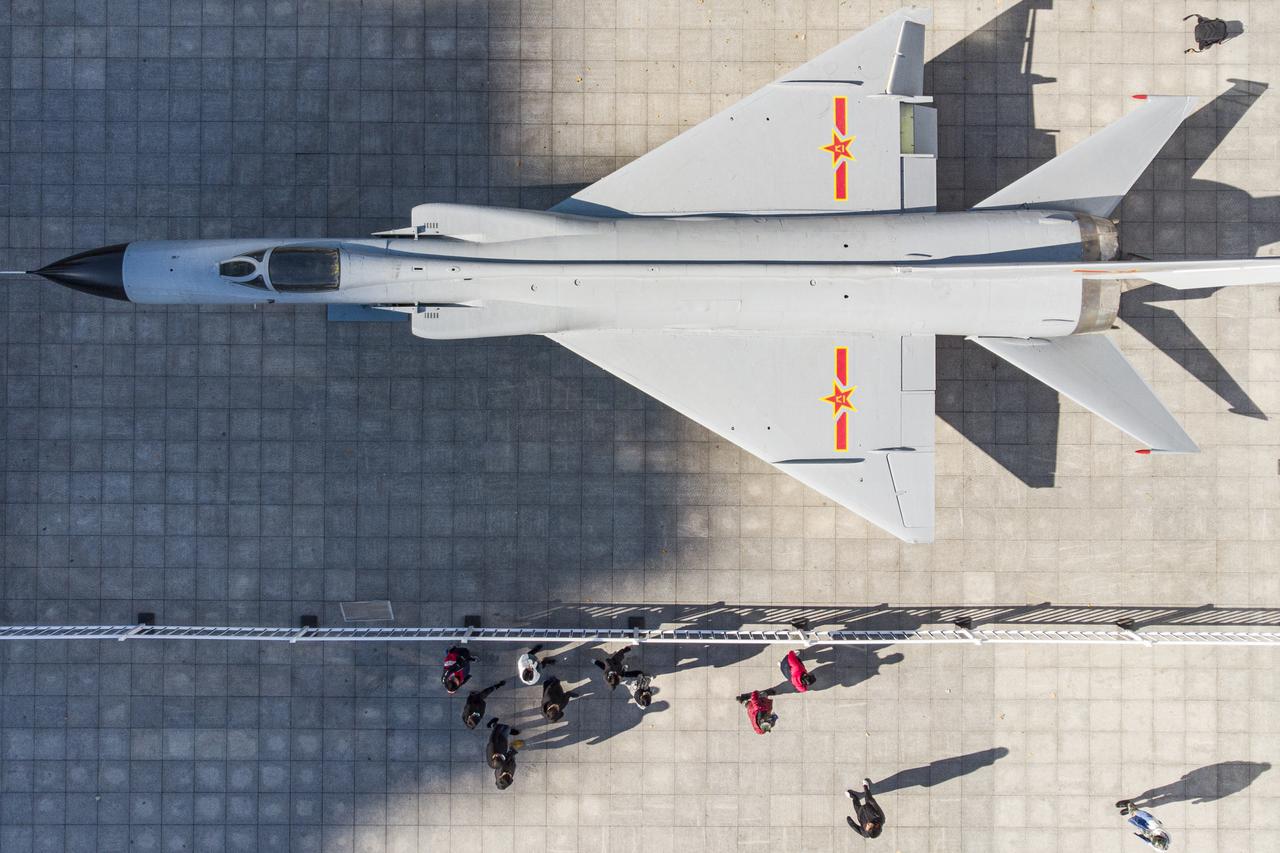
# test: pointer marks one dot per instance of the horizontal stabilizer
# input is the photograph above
(1094, 176)
(1091, 370)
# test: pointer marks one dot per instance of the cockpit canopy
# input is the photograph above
(286, 269)
(303, 269)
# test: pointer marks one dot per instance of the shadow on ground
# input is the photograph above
(984, 89)
(729, 617)
(937, 772)
(1205, 784)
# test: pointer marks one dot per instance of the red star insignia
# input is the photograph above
(839, 398)
(839, 148)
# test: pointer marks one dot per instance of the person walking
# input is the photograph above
(554, 699)
(1150, 829)
(505, 773)
(639, 683)
(500, 753)
(760, 709)
(457, 668)
(499, 742)
(869, 821)
(794, 671)
(612, 666)
(530, 666)
(473, 711)
(1208, 32)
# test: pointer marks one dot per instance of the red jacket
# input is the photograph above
(796, 670)
(758, 705)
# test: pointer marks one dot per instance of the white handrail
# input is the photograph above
(668, 636)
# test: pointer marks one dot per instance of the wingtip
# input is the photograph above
(1189, 102)
(1188, 447)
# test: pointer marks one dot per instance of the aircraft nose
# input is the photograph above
(98, 271)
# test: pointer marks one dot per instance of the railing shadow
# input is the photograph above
(721, 616)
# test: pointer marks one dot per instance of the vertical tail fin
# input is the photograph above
(1094, 176)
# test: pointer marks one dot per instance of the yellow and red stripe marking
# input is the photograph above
(839, 399)
(842, 353)
(842, 193)
(839, 147)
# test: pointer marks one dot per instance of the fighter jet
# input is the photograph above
(776, 273)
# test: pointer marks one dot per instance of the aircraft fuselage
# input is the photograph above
(523, 272)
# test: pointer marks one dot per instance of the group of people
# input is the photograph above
(868, 817)
(759, 703)
(502, 745)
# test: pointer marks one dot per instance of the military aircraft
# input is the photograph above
(776, 273)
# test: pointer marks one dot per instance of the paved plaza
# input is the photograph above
(249, 466)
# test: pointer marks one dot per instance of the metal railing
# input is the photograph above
(760, 637)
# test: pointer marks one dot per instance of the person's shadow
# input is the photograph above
(594, 723)
(1205, 784)
(840, 666)
(937, 772)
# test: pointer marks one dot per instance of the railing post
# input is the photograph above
(132, 632)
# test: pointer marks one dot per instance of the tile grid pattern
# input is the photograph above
(251, 466)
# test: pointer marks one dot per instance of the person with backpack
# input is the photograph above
(457, 668)
(794, 671)
(554, 699)
(529, 667)
(1208, 32)
(759, 705)
(870, 817)
(473, 711)
(612, 666)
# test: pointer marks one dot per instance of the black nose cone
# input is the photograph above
(98, 271)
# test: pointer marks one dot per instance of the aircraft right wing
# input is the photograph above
(846, 132)
(849, 415)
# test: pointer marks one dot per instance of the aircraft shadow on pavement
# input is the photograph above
(1205, 784)
(1219, 220)
(983, 87)
(937, 772)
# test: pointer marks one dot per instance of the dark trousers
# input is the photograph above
(866, 811)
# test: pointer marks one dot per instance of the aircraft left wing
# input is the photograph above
(847, 132)
(849, 415)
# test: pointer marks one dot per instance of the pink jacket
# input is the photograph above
(796, 671)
